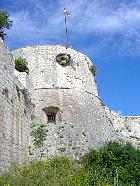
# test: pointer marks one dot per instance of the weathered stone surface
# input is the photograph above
(14, 114)
(60, 97)
(127, 127)
(80, 122)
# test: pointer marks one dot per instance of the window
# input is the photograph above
(51, 117)
(51, 113)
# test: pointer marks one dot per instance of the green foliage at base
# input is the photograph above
(59, 171)
(21, 65)
(113, 165)
(120, 163)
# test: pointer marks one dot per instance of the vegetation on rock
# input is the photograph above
(102, 102)
(5, 23)
(39, 134)
(21, 65)
(112, 165)
(93, 70)
(18, 91)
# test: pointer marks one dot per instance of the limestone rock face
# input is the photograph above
(14, 114)
(66, 101)
(6, 91)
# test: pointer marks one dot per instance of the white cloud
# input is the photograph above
(100, 18)
(46, 21)
(86, 17)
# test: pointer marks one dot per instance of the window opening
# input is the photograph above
(63, 59)
(51, 117)
(51, 113)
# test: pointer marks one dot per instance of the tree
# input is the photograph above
(5, 23)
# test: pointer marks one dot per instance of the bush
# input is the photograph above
(58, 171)
(4, 23)
(121, 162)
(114, 164)
(39, 135)
(93, 70)
(102, 102)
(21, 65)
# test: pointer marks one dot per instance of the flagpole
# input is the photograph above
(66, 32)
(66, 29)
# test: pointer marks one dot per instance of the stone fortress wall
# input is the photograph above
(80, 121)
(14, 114)
(62, 97)
(127, 127)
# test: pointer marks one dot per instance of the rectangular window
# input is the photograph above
(51, 117)
(51, 113)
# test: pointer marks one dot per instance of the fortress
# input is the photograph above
(55, 109)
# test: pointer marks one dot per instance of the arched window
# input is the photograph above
(51, 113)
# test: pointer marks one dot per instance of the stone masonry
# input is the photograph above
(14, 114)
(59, 97)
(127, 127)
(80, 121)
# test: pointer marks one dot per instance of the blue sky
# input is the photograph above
(107, 31)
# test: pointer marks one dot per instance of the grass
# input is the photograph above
(113, 165)
(55, 172)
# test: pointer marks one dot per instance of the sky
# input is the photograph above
(107, 31)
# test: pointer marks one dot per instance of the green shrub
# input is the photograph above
(21, 65)
(113, 165)
(102, 102)
(122, 162)
(93, 70)
(58, 171)
(39, 135)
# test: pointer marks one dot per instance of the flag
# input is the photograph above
(66, 12)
